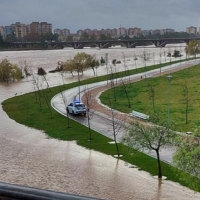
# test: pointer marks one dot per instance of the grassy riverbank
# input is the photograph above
(26, 110)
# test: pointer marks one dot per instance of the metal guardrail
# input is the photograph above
(15, 192)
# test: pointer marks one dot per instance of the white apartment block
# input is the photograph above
(191, 30)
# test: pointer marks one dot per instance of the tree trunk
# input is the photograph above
(89, 128)
(159, 164)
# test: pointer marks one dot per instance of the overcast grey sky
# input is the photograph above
(82, 14)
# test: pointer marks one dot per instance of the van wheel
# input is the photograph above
(73, 112)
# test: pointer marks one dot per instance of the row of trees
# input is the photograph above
(82, 62)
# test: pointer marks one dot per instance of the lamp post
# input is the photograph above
(169, 78)
(107, 66)
(79, 82)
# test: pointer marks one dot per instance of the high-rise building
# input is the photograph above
(9, 30)
(40, 28)
(191, 30)
(58, 31)
(2, 32)
(65, 32)
(20, 30)
(121, 31)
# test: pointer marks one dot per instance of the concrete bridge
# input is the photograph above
(129, 43)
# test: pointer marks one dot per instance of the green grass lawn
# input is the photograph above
(25, 110)
(139, 96)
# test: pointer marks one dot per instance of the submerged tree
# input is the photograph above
(9, 71)
(102, 61)
(145, 57)
(88, 101)
(135, 60)
(193, 48)
(68, 67)
(42, 72)
(93, 63)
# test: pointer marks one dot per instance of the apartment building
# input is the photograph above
(191, 30)
(57, 31)
(132, 32)
(39, 28)
(62, 33)
(2, 32)
(45, 27)
(20, 30)
(88, 31)
(157, 32)
(121, 31)
(167, 30)
(79, 32)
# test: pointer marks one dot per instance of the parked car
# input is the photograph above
(76, 108)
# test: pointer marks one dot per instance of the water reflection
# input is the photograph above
(29, 158)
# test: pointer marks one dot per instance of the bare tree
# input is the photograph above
(112, 82)
(135, 60)
(188, 100)
(47, 100)
(126, 69)
(65, 105)
(89, 102)
(36, 86)
(165, 54)
(25, 68)
(42, 72)
(145, 57)
(126, 92)
(169, 54)
(152, 93)
(117, 125)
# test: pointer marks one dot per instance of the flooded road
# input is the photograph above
(28, 157)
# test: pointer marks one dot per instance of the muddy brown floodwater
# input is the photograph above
(29, 158)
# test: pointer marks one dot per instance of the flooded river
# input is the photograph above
(28, 157)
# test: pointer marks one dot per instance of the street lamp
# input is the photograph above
(79, 81)
(169, 78)
(107, 66)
